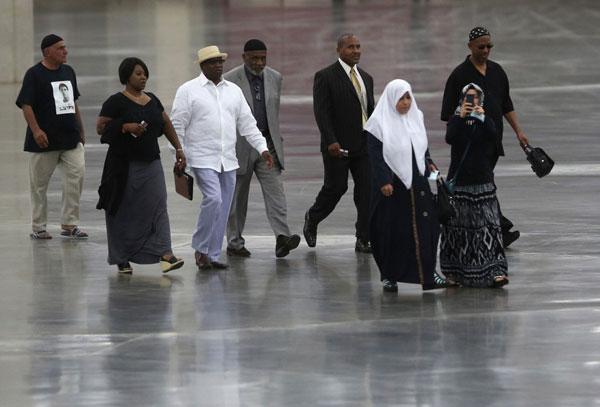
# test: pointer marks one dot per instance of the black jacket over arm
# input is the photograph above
(116, 168)
(337, 108)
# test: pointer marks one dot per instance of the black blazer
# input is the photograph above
(337, 108)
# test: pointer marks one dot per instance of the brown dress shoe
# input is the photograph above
(202, 261)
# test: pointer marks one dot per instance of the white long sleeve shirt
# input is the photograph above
(347, 68)
(206, 117)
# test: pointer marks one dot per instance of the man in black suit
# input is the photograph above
(343, 101)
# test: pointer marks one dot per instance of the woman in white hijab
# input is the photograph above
(404, 229)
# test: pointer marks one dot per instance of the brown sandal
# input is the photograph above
(500, 281)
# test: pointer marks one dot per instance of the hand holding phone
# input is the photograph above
(467, 105)
(142, 130)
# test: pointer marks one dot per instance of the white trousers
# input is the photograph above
(217, 192)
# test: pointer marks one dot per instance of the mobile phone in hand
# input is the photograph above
(144, 124)
(470, 98)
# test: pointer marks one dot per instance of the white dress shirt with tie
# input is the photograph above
(206, 117)
(347, 68)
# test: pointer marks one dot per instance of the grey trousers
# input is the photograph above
(273, 195)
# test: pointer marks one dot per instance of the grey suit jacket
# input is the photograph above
(272, 80)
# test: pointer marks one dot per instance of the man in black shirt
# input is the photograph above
(489, 75)
(54, 136)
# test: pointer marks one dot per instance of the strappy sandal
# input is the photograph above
(125, 268)
(172, 263)
(500, 281)
(74, 233)
(439, 282)
(41, 235)
(390, 286)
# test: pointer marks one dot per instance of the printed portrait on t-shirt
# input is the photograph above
(63, 97)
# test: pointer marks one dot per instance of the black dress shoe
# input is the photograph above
(218, 265)
(310, 231)
(363, 246)
(510, 237)
(285, 244)
(241, 252)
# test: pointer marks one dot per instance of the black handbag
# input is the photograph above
(541, 163)
(444, 201)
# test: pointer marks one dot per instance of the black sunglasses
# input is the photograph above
(488, 46)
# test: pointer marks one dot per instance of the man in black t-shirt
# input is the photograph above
(54, 137)
(489, 75)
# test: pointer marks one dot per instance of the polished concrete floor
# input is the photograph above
(314, 328)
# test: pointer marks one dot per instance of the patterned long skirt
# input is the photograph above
(471, 250)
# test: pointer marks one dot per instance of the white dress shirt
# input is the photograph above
(206, 117)
(363, 89)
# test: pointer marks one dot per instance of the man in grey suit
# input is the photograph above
(261, 86)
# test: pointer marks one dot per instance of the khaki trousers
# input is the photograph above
(41, 167)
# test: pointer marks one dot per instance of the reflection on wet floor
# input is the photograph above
(313, 328)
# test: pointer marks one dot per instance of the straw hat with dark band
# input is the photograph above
(210, 52)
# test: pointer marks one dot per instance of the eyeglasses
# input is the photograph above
(483, 46)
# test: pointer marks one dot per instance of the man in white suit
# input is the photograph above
(261, 86)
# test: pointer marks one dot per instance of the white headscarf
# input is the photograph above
(463, 92)
(398, 132)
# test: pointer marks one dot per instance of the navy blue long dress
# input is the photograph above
(404, 228)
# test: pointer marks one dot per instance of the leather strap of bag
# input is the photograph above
(462, 160)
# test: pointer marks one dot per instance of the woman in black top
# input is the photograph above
(132, 191)
(471, 250)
